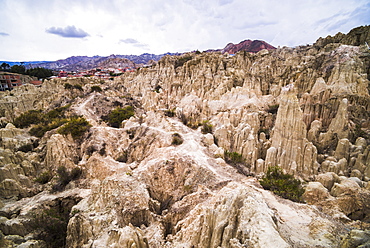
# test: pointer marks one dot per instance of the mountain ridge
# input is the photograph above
(75, 63)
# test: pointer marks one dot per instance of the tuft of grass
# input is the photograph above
(273, 109)
(169, 112)
(233, 157)
(44, 177)
(69, 86)
(284, 185)
(177, 139)
(96, 88)
(65, 176)
(206, 127)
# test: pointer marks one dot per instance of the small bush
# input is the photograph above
(273, 108)
(69, 86)
(177, 139)
(44, 177)
(123, 157)
(57, 112)
(96, 88)
(181, 61)
(233, 157)
(26, 148)
(206, 127)
(76, 173)
(116, 116)
(170, 112)
(28, 118)
(76, 127)
(284, 185)
(65, 176)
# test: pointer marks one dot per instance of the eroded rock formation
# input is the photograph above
(160, 178)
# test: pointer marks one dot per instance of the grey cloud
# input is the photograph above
(134, 43)
(128, 41)
(68, 32)
(4, 34)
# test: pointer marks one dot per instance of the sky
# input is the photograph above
(47, 30)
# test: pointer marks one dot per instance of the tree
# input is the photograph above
(18, 69)
(5, 66)
(39, 72)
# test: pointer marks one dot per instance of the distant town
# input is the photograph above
(11, 77)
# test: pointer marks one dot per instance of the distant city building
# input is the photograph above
(9, 80)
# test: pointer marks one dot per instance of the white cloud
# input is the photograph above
(159, 26)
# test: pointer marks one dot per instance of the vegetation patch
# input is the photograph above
(177, 139)
(284, 185)
(233, 157)
(181, 61)
(26, 148)
(44, 177)
(75, 127)
(42, 122)
(96, 88)
(69, 86)
(273, 109)
(28, 118)
(169, 112)
(116, 116)
(206, 127)
(65, 176)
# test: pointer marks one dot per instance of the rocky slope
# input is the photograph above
(159, 181)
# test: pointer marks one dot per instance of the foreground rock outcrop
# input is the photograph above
(165, 176)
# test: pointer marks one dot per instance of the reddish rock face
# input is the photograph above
(247, 45)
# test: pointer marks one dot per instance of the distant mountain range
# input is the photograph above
(78, 63)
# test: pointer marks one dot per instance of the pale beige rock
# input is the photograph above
(345, 187)
(342, 150)
(60, 152)
(295, 153)
(327, 179)
(315, 192)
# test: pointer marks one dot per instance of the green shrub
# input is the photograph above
(177, 139)
(233, 157)
(28, 118)
(284, 185)
(206, 127)
(40, 129)
(76, 173)
(76, 127)
(181, 61)
(96, 88)
(65, 176)
(57, 112)
(26, 148)
(44, 177)
(273, 108)
(170, 112)
(69, 86)
(116, 116)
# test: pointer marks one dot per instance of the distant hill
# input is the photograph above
(78, 63)
(248, 46)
